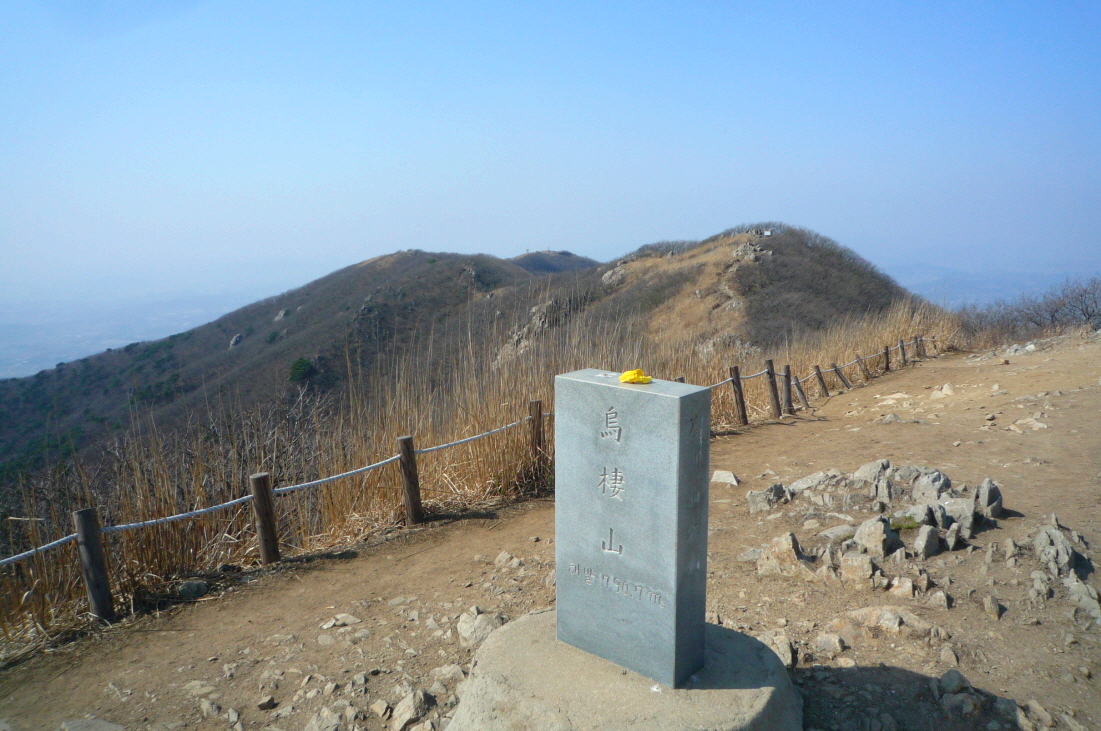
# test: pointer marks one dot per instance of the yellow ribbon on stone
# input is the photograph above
(635, 376)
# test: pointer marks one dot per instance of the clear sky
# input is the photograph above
(161, 149)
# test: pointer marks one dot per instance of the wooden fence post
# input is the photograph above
(886, 359)
(801, 394)
(773, 392)
(410, 482)
(263, 507)
(93, 564)
(788, 407)
(535, 414)
(821, 381)
(919, 344)
(739, 396)
(902, 352)
(863, 368)
(839, 374)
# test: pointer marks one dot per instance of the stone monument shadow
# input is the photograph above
(726, 668)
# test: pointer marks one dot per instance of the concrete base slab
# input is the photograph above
(526, 680)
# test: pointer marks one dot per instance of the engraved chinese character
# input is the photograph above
(611, 483)
(611, 424)
(607, 545)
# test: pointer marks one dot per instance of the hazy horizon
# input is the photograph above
(204, 156)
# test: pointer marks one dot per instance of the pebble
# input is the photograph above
(266, 703)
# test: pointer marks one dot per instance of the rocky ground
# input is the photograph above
(919, 552)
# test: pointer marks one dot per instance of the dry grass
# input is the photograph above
(147, 474)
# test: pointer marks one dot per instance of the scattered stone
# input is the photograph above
(949, 657)
(503, 559)
(991, 606)
(988, 499)
(449, 675)
(209, 708)
(763, 500)
(829, 642)
(856, 570)
(952, 539)
(930, 486)
(411, 708)
(872, 471)
(1038, 714)
(1070, 723)
(324, 720)
(89, 724)
(551, 579)
(266, 703)
(953, 681)
(474, 626)
(725, 477)
(192, 589)
(960, 705)
(876, 537)
(381, 708)
(891, 618)
(750, 556)
(839, 532)
(345, 620)
(325, 640)
(902, 586)
(940, 599)
(778, 641)
(927, 543)
(783, 557)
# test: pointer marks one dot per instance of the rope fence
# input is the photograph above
(89, 533)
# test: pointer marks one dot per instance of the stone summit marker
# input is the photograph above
(631, 484)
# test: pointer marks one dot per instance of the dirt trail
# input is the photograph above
(260, 633)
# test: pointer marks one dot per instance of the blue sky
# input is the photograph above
(190, 148)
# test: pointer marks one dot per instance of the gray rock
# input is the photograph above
(1038, 713)
(209, 708)
(839, 532)
(920, 514)
(930, 486)
(192, 589)
(266, 703)
(90, 724)
(940, 516)
(810, 482)
(235, 341)
(940, 599)
(784, 557)
(856, 570)
(960, 705)
(473, 627)
(872, 471)
(957, 507)
(750, 556)
(927, 542)
(877, 538)
(381, 708)
(324, 720)
(780, 644)
(411, 708)
(1005, 708)
(952, 539)
(1053, 549)
(725, 477)
(988, 499)
(953, 681)
(991, 606)
(764, 500)
(949, 657)
(829, 642)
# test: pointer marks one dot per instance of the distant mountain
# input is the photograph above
(740, 288)
(552, 262)
(953, 288)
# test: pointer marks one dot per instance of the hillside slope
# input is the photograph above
(736, 291)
